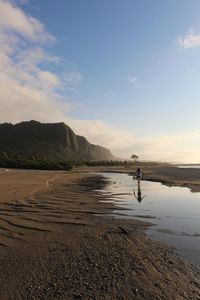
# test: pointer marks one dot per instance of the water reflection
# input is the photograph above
(175, 211)
(138, 195)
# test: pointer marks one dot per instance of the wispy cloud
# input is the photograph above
(72, 80)
(23, 2)
(191, 39)
(132, 79)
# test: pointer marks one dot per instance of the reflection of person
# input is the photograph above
(138, 196)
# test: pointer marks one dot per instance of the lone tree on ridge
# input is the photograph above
(134, 157)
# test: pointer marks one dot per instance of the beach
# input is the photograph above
(57, 240)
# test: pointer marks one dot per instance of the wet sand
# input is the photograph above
(57, 243)
(174, 176)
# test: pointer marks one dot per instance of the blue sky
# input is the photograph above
(123, 73)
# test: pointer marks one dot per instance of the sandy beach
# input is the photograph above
(56, 241)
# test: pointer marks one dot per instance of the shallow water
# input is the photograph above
(174, 211)
(190, 166)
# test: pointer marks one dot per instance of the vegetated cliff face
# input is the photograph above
(54, 141)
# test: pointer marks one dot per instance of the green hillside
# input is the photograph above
(50, 146)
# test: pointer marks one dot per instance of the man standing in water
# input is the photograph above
(138, 175)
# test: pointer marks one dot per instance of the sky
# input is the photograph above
(123, 73)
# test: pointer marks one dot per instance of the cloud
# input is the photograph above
(22, 2)
(123, 142)
(27, 90)
(73, 78)
(132, 79)
(191, 39)
(14, 20)
(71, 81)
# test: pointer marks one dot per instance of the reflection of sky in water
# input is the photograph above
(174, 210)
(190, 166)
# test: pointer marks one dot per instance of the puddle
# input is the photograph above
(174, 211)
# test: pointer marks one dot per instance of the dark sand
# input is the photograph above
(55, 243)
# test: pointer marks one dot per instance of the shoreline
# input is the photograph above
(168, 175)
(55, 244)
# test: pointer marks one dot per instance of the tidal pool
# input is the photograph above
(174, 211)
